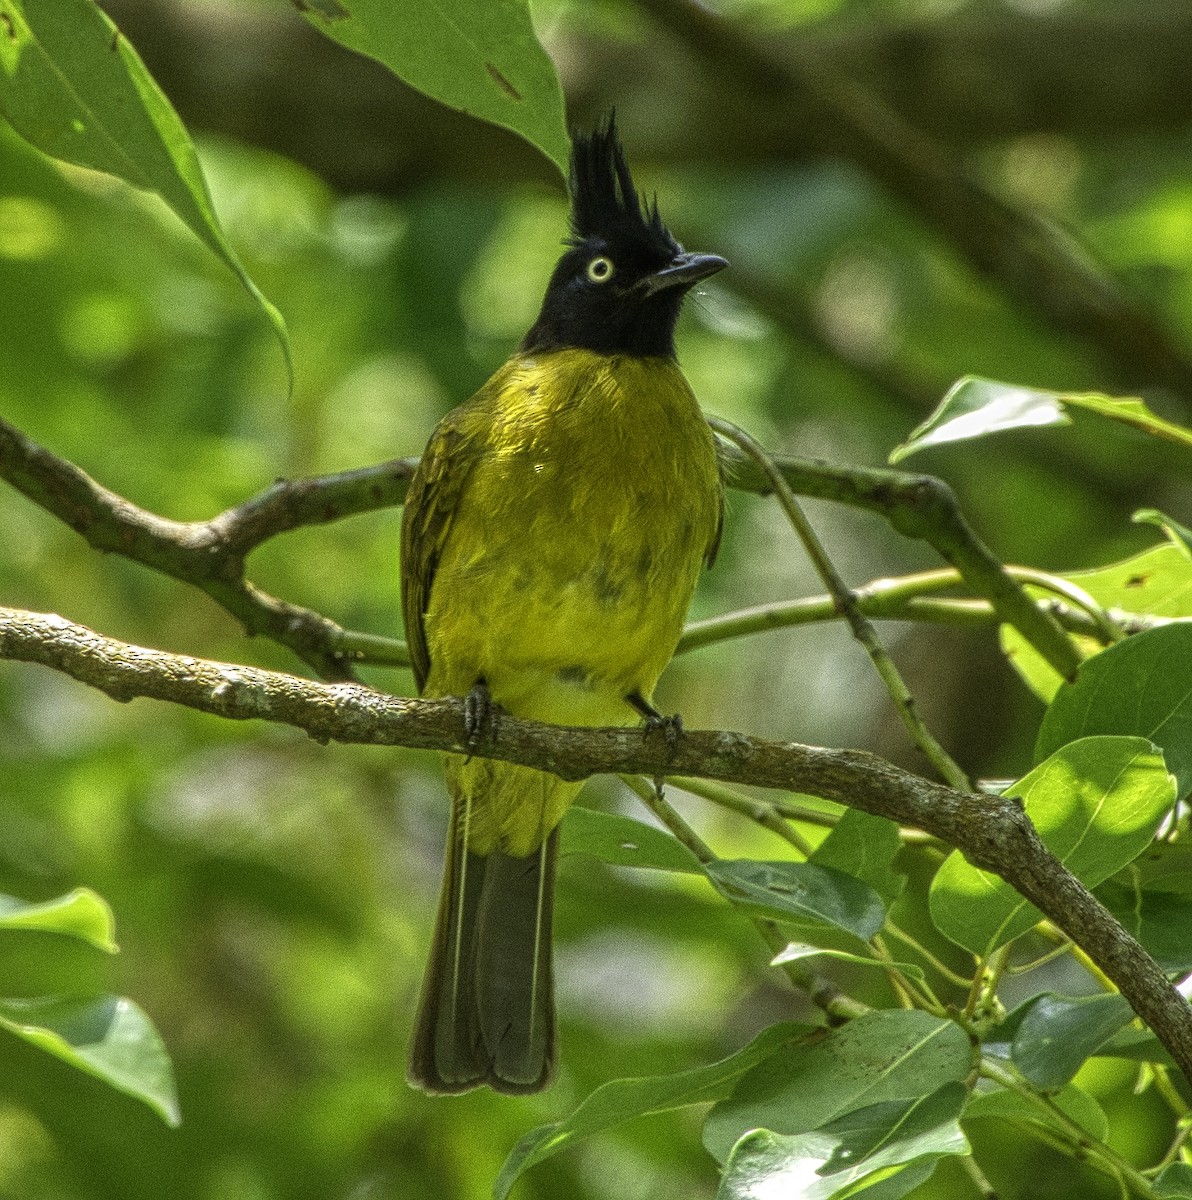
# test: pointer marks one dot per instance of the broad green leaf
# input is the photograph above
(106, 1036)
(1072, 1101)
(1142, 686)
(1129, 411)
(797, 951)
(73, 86)
(1161, 921)
(624, 841)
(33, 963)
(1179, 535)
(1058, 1033)
(974, 407)
(625, 1099)
(79, 914)
(1096, 804)
(864, 846)
(481, 57)
(1156, 583)
(1136, 1045)
(801, 894)
(834, 1160)
(881, 1056)
(892, 1183)
(1165, 867)
(1174, 1182)
(1035, 671)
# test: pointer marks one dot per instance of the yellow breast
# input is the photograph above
(571, 557)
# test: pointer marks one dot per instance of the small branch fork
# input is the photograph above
(210, 555)
(846, 602)
(993, 833)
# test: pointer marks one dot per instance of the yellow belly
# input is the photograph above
(570, 562)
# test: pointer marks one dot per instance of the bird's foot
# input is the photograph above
(480, 715)
(671, 727)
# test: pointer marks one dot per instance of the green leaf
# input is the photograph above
(800, 894)
(625, 1099)
(73, 86)
(833, 1160)
(624, 842)
(864, 846)
(1141, 686)
(1136, 1045)
(1096, 804)
(1058, 1033)
(481, 57)
(1034, 670)
(892, 1183)
(974, 407)
(33, 963)
(1157, 582)
(797, 951)
(1074, 1102)
(1166, 867)
(1160, 921)
(882, 1056)
(1179, 535)
(1129, 411)
(79, 914)
(1174, 1182)
(106, 1036)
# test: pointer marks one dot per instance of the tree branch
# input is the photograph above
(993, 833)
(211, 555)
(923, 507)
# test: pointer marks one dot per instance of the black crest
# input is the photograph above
(619, 287)
(604, 202)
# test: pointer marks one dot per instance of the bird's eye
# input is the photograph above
(600, 269)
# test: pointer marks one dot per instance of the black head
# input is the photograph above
(620, 286)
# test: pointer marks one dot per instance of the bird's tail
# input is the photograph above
(487, 1012)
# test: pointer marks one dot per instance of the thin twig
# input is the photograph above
(920, 994)
(862, 628)
(937, 964)
(923, 507)
(979, 1179)
(912, 598)
(761, 811)
(838, 1005)
(1093, 1150)
(1064, 947)
(209, 554)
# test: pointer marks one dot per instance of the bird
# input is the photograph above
(552, 538)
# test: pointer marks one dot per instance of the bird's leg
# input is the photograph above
(671, 726)
(480, 715)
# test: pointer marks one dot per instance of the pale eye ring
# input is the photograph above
(600, 269)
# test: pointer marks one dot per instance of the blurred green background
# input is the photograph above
(273, 897)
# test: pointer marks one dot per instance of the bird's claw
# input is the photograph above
(671, 727)
(480, 716)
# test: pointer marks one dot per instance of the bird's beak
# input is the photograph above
(683, 271)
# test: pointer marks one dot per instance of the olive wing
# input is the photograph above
(430, 508)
